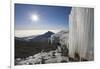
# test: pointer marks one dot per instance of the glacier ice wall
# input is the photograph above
(81, 32)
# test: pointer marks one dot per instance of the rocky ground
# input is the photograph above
(42, 58)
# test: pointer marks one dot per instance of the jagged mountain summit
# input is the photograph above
(43, 37)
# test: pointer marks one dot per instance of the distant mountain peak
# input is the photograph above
(49, 32)
(43, 37)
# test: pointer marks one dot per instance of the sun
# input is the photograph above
(35, 17)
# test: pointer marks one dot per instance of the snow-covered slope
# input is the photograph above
(42, 58)
(60, 37)
(81, 29)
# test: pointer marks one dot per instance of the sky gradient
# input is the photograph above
(49, 17)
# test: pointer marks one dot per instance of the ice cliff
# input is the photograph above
(81, 32)
(80, 37)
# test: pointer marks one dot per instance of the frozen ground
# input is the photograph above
(42, 58)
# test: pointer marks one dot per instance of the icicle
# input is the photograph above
(81, 22)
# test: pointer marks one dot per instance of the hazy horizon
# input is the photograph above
(26, 33)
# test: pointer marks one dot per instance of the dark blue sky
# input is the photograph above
(50, 17)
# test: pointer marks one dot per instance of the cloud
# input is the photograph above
(25, 33)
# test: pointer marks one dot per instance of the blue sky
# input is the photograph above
(49, 17)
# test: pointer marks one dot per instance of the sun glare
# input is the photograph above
(35, 17)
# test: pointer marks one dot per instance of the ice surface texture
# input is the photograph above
(81, 32)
